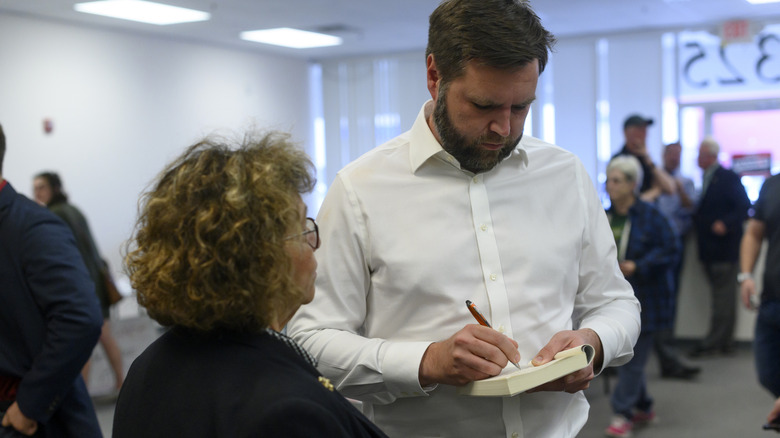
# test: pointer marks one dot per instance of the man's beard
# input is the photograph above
(470, 154)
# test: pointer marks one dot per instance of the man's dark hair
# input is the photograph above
(2, 148)
(500, 33)
(54, 181)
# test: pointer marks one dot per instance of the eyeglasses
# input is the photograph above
(312, 234)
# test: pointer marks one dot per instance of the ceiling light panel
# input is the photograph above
(287, 37)
(143, 11)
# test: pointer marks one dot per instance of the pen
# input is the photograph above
(482, 321)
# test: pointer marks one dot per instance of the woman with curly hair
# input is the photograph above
(223, 253)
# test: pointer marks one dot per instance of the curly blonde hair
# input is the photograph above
(208, 249)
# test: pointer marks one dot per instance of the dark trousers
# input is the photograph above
(666, 350)
(631, 390)
(722, 277)
(665, 346)
(767, 346)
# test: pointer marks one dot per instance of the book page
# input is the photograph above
(511, 369)
(512, 381)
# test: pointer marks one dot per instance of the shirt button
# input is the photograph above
(501, 328)
(475, 179)
(483, 227)
(515, 435)
(493, 277)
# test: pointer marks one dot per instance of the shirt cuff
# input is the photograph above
(612, 344)
(401, 368)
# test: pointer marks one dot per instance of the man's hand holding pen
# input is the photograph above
(477, 352)
(473, 353)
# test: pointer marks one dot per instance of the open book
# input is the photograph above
(512, 383)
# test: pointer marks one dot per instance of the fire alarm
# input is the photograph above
(48, 126)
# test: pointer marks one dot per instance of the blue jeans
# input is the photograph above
(766, 346)
(631, 389)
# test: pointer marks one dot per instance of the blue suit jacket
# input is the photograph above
(49, 317)
(725, 200)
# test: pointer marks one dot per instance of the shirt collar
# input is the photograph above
(293, 345)
(712, 168)
(631, 210)
(423, 144)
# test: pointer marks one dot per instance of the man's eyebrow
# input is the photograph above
(527, 102)
(490, 103)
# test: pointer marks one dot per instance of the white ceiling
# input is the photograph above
(386, 26)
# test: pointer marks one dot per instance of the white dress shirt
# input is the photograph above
(408, 237)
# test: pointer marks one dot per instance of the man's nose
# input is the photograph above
(501, 123)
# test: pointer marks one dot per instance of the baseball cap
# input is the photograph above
(637, 120)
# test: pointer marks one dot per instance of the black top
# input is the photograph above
(191, 384)
(767, 210)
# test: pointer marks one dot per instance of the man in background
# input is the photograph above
(677, 207)
(722, 210)
(765, 223)
(49, 321)
(465, 207)
(655, 180)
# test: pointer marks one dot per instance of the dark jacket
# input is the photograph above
(73, 217)
(187, 384)
(49, 317)
(725, 200)
(654, 248)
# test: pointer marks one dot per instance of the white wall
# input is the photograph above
(125, 104)
(574, 69)
(355, 89)
(635, 65)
